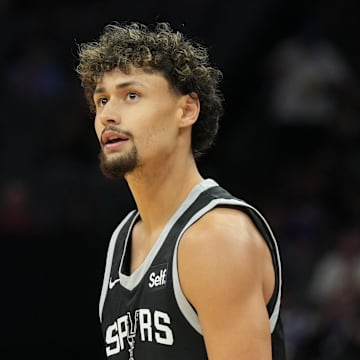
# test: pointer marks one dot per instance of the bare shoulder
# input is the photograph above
(224, 246)
(222, 230)
(226, 273)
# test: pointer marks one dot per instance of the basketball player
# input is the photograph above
(193, 272)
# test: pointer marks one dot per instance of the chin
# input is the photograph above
(116, 166)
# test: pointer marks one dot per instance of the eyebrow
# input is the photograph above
(119, 86)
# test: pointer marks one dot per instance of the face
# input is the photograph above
(136, 121)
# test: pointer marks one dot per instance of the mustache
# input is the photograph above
(113, 128)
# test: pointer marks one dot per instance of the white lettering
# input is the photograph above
(153, 326)
(123, 330)
(166, 337)
(157, 280)
(112, 340)
(145, 324)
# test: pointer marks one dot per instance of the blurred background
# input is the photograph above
(289, 144)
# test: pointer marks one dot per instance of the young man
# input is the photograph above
(193, 272)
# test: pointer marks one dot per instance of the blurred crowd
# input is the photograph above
(312, 98)
(294, 153)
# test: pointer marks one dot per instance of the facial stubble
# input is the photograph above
(116, 167)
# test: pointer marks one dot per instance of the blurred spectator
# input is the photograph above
(333, 329)
(337, 273)
(305, 73)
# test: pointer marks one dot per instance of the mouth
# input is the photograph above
(112, 138)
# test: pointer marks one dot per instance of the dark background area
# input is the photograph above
(288, 144)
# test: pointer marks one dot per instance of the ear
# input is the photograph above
(190, 107)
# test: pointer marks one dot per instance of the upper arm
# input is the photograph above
(222, 261)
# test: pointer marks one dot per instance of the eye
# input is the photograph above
(102, 101)
(132, 96)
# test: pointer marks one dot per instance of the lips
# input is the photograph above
(112, 137)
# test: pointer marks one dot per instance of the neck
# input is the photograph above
(159, 193)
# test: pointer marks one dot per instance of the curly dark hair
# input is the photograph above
(183, 62)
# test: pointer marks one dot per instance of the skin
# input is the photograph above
(223, 261)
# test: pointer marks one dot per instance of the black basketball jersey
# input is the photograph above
(145, 315)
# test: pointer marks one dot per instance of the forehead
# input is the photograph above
(144, 77)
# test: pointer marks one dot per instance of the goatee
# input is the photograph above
(116, 167)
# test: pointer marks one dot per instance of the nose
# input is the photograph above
(109, 114)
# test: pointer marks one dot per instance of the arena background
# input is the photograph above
(288, 144)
